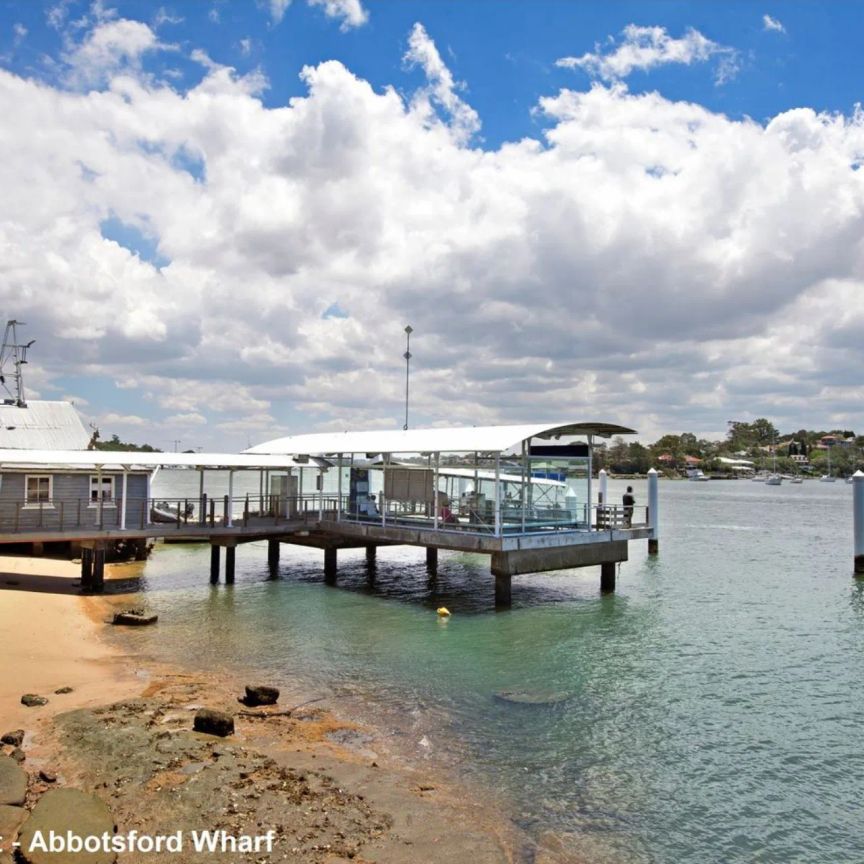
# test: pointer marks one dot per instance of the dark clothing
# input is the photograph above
(629, 503)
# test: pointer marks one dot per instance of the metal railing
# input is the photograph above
(513, 518)
(253, 511)
(59, 515)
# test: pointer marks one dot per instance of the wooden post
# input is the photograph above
(99, 568)
(273, 548)
(246, 512)
(503, 590)
(330, 565)
(214, 563)
(86, 569)
(653, 515)
(212, 512)
(230, 552)
(607, 577)
(858, 516)
(431, 559)
(371, 555)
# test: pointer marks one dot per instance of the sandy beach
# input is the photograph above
(124, 732)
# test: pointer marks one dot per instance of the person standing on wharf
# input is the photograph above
(629, 502)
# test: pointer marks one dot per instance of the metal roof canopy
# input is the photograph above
(465, 439)
(58, 459)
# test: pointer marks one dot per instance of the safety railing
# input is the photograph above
(58, 515)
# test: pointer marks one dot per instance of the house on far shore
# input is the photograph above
(47, 496)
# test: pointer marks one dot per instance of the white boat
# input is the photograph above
(697, 475)
(796, 480)
(827, 478)
(773, 480)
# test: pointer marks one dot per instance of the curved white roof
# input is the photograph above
(138, 459)
(464, 439)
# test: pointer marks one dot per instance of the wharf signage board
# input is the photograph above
(559, 451)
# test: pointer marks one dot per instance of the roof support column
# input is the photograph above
(435, 486)
(588, 518)
(125, 489)
(525, 475)
(228, 520)
(385, 458)
(320, 494)
(99, 495)
(339, 488)
(149, 494)
(497, 494)
(200, 490)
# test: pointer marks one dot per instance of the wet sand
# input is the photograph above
(323, 783)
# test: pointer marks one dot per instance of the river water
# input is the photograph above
(711, 710)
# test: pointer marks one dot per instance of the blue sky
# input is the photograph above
(223, 213)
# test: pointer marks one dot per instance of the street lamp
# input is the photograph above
(407, 355)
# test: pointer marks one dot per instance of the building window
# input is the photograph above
(38, 489)
(106, 492)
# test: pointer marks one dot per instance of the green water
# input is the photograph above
(710, 711)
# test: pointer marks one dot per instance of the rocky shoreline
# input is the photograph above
(324, 786)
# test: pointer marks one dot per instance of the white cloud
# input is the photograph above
(422, 52)
(351, 12)
(165, 16)
(109, 48)
(650, 261)
(645, 48)
(107, 421)
(278, 8)
(769, 23)
(193, 418)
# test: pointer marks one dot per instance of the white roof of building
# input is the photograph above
(42, 426)
(118, 460)
(467, 439)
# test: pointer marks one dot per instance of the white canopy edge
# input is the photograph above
(465, 439)
(128, 459)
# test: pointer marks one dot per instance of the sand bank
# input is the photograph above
(49, 636)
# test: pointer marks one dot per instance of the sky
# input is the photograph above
(217, 218)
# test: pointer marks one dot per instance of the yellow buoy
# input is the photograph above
(443, 612)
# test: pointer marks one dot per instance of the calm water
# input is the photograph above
(712, 710)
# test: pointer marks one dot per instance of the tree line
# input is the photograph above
(759, 442)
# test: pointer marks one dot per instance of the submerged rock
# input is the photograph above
(14, 739)
(31, 700)
(18, 755)
(62, 811)
(214, 722)
(134, 618)
(532, 697)
(260, 695)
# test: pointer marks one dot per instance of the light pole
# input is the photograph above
(407, 355)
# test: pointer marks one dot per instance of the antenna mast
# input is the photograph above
(16, 354)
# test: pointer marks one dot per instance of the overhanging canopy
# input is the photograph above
(120, 459)
(495, 439)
